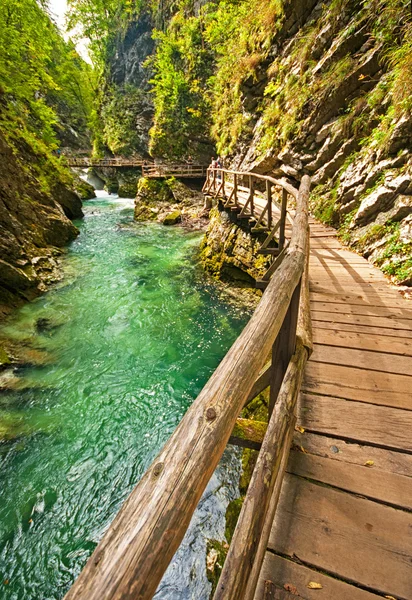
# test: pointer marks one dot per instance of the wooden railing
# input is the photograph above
(252, 197)
(140, 543)
(184, 170)
(119, 161)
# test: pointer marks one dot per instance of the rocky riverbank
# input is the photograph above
(37, 203)
(170, 202)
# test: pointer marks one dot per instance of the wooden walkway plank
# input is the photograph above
(369, 482)
(362, 385)
(362, 358)
(289, 575)
(354, 453)
(392, 322)
(393, 301)
(362, 309)
(366, 423)
(369, 330)
(375, 342)
(352, 538)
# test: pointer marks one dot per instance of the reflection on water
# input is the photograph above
(132, 334)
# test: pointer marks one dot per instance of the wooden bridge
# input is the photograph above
(332, 517)
(150, 169)
(119, 161)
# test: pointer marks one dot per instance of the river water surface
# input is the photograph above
(134, 332)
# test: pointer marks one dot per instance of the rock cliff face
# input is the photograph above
(127, 108)
(327, 100)
(34, 225)
(229, 252)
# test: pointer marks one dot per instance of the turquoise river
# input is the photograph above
(133, 332)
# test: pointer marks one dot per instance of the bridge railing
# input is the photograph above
(174, 170)
(260, 199)
(86, 161)
(136, 550)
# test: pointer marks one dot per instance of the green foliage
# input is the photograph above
(43, 82)
(182, 66)
(118, 114)
(101, 22)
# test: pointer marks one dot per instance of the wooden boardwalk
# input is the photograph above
(343, 524)
(344, 519)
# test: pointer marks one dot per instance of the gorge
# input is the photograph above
(118, 303)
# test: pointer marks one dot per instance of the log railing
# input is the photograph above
(140, 543)
(185, 170)
(255, 203)
(119, 161)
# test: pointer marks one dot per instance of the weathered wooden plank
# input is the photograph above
(350, 537)
(354, 453)
(384, 331)
(395, 300)
(392, 322)
(358, 384)
(373, 361)
(370, 482)
(327, 285)
(362, 309)
(372, 341)
(286, 575)
(380, 425)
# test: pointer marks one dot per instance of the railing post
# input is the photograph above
(284, 347)
(269, 199)
(252, 194)
(214, 180)
(283, 219)
(235, 189)
(223, 184)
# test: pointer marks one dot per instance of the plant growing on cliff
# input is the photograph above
(182, 66)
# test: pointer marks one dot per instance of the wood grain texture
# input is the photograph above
(283, 572)
(353, 538)
(380, 425)
(375, 342)
(352, 383)
(354, 453)
(370, 482)
(362, 358)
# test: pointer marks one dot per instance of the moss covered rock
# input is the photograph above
(173, 218)
(84, 189)
(228, 252)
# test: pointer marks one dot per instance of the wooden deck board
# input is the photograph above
(286, 574)
(369, 482)
(350, 537)
(340, 522)
(370, 424)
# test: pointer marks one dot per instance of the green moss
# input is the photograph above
(215, 559)
(4, 358)
(232, 516)
(173, 218)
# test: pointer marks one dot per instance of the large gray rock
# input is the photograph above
(377, 201)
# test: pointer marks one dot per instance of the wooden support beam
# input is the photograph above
(274, 265)
(284, 348)
(269, 203)
(283, 218)
(238, 566)
(252, 195)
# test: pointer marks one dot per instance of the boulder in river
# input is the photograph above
(173, 218)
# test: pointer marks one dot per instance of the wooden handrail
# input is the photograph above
(132, 557)
(279, 182)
